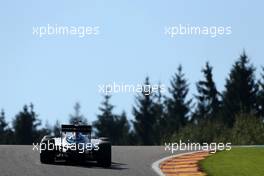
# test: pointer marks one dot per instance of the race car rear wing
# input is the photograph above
(76, 128)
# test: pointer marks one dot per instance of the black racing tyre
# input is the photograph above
(47, 155)
(104, 154)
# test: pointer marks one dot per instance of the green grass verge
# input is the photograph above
(237, 162)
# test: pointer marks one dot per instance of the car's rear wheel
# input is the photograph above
(47, 154)
(104, 155)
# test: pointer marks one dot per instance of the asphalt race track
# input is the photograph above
(21, 160)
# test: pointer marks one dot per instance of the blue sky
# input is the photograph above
(55, 72)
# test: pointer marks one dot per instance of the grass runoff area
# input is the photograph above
(242, 161)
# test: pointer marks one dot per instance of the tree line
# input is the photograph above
(234, 115)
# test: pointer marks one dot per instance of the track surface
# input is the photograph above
(126, 160)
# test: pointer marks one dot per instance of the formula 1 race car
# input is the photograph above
(75, 145)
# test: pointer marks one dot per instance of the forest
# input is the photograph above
(235, 114)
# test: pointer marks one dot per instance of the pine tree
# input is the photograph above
(144, 115)
(3, 127)
(6, 133)
(25, 125)
(3, 123)
(77, 116)
(240, 90)
(261, 96)
(208, 102)
(105, 125)
(115, 127)
(44, 131)
(177, 105)
(160, 125)
(122, 129)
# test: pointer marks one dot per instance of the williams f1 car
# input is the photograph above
(75, 144)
